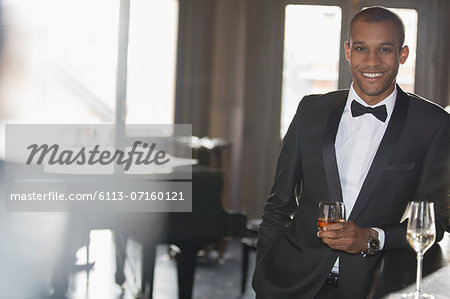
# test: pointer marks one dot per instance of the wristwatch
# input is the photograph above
(373, 243)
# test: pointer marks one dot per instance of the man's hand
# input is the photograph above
(345, 236)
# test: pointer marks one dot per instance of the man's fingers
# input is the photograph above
(346, 236)
(330, 234)
(337, 232)
(333, 227)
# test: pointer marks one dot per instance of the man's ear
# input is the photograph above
(347, 50)
(404, 52)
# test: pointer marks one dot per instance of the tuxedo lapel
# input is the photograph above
(384, 152)
(329, 153)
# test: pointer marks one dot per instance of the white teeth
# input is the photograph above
(372, 75)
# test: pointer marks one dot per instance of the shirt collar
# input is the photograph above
(389, 101)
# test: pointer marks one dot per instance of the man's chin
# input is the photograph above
(373, 90)
(372, 93)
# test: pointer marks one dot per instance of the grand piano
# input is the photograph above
(190, 231)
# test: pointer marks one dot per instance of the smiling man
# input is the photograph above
(375, 148)
(375, 51)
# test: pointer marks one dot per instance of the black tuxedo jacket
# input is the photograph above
(412, 163)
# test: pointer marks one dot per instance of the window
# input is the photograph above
(63, 58)
(311, 55)
(81, 58)
(152, 61)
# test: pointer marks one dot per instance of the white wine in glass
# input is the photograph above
(420, 234)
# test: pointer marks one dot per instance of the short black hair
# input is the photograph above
(375, 14)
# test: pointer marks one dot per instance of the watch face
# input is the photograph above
(374, 244)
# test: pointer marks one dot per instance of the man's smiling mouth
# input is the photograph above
(372, 75)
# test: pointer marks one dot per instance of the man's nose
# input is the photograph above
(372, 59)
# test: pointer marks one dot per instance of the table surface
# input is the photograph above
(397, 274)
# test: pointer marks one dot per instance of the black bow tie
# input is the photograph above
(379, 112)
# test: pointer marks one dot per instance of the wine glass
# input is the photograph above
(420, 234)
(330, 212)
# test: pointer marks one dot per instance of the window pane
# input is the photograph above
(83, 40)
(63, 54)
(152, 61)
(406, 73)
(311, 55)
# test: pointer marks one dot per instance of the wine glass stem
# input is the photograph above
(419, 272)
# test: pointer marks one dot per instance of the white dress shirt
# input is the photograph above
(357, 142)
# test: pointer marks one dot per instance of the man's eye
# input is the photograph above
(360, 49)
(386, 50)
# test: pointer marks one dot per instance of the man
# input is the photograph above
(374, 159)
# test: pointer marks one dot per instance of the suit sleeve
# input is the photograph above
(434, 185)
(282, 200)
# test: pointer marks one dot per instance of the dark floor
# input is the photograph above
(212, 279)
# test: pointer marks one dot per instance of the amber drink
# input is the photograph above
(330, 212)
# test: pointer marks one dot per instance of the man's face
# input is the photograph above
(374, 56)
